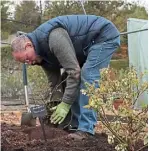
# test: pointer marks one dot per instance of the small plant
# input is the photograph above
(129, 125)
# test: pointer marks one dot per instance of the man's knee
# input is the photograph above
(89, 75)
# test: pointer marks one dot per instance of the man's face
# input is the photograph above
(27, 56)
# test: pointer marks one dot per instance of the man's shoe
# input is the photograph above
(79, 135)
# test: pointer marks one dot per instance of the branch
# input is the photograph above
(17, 21)
(142, 147)
(111, 130)
(139, 93)
(109, 127)
(139, 130)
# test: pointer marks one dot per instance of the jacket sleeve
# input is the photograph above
(61, 45)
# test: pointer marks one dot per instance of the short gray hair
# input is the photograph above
(18, 44)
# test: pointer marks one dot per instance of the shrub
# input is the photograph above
(10, 85)
(5, 35)
(127, 86)
(6, 53)
(11, 77)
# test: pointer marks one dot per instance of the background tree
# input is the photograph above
(116, 11)
(58, 8)
(28, 13)
(5, 25)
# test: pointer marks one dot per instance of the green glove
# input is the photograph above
(60, 113)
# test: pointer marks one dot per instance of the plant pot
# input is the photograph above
(117, 103)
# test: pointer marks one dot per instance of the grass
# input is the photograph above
(119, 64)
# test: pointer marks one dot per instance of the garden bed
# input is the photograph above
(17, 138)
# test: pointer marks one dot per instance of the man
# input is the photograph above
(81, 44)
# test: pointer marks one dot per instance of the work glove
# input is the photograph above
(60, 112)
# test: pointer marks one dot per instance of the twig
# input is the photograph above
(109, 127)
(142, 147)
(55, 88)
(138, 94)
(111, 130)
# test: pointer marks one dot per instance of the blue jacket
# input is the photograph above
(84, 30)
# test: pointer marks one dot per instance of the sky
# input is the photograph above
(142, 2)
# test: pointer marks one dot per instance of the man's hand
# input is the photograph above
(60, 113)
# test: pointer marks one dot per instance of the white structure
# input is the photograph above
(138, 50)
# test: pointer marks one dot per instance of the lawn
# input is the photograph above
(120, 63)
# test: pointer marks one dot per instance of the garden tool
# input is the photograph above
(27, 118)
(39, 111)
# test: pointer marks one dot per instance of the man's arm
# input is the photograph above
(61, 45)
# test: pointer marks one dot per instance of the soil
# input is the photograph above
(16, 138)
(20, 138)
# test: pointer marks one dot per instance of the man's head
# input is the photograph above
(23, 50)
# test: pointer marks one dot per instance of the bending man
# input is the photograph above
(82, 45)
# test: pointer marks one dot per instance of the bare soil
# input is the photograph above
(20, 138)
(16, 138)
